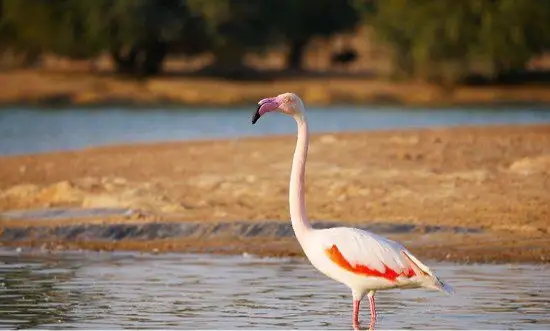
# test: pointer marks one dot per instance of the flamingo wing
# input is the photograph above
(367, 254)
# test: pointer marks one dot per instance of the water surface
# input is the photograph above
(184, 291)
(39, 130)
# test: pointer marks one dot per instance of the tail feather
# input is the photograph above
(431, 281)
(418, 267)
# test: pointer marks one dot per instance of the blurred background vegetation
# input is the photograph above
(442, 41)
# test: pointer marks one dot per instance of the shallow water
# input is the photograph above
(40, 130)
(184, 291)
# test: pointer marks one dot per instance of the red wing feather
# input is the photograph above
(390, 274)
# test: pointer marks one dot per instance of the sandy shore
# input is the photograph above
(32, 87)
(493, 181)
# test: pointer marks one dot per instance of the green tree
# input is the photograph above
(511, 32)
(234, 28)
(42, 25)
(297, 22)
(137, 33)
(140, 33)
(431, 40)
(440, 40)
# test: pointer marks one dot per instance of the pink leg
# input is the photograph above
(372, 310)
(356, 314)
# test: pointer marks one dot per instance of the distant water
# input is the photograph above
(88, 290)
(39, 130)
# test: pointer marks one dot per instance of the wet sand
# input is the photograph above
(486, 191)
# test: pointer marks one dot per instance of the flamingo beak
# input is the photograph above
(264, 106)
(256, 115)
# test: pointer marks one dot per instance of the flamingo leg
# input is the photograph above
(372, 310)
(356, 314)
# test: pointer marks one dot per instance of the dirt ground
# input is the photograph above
(45, 88)
(496, 179)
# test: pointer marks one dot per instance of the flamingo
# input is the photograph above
(361, 260)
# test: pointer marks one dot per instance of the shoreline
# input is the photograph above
(270, 239)
(492, 179)
(236, 239)
(35, 88)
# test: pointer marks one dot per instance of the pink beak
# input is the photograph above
(264, 106)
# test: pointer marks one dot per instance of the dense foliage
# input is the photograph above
(445, 39)
(437, 40)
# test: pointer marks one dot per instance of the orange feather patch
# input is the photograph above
(390, 274)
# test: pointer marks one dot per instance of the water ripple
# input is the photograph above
(188, 291)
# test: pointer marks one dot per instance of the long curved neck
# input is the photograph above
(297, 202)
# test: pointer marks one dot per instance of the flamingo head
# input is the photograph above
(286, 103)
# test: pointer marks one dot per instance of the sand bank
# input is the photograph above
(462, 194)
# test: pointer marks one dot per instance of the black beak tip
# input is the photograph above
(256, 116)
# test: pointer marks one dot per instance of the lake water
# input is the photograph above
(40, 130)
(183, 291)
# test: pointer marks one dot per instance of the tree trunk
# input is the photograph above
(295, 55)
(31, 58)
(228, 63)
(125, 62)
(153, 59)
